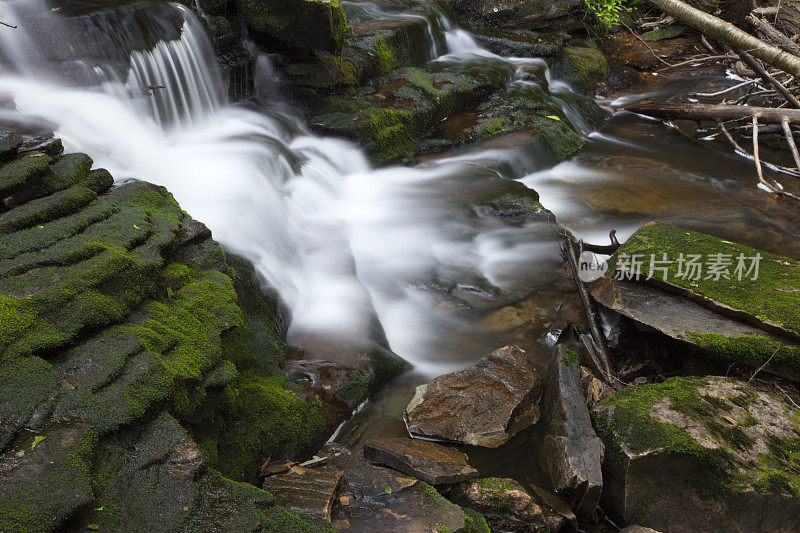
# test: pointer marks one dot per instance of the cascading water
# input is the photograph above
(341, 242)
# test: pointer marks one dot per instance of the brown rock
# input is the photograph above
(506, 505)
(306, 490)
(428, 461)
(484, 405)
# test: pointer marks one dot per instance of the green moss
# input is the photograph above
(344, 69)
(16, 316)
(257, 417)
(585, 67)
(571, 358)
(355, 391)
(717, 469)
(474, 522)
(772, 298)
(752, 350)
(303, 23)
(385, 55)
(389, 134)
(22, 171)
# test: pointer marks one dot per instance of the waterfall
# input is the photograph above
(341, 242)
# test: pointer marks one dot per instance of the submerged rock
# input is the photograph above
(700, 454)
(746, 309)
(506, 505)
(484, 405)
(571, 454)
(428, 461)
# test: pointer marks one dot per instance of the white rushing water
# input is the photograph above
(341, 242)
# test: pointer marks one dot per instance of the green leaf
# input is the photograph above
(36, 440)
(388, 490)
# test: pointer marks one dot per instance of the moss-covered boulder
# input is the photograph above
(371, 50)
(117, 309)
(310, 24)
(728, 299)
(518, 14)
(700, 454)
(584, 67)
(389, 120)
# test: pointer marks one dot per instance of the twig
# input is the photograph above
(756, 66)
(787, 131)
(7, 25)
(729, 89)
(760, 172)
(745, 153)
(645, 43)
(759, 369)
(699, 59)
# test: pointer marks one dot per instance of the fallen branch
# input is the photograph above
(7, 25)
(768, 115)
(727, 33)
(758, 69)
(759, 170)
(787, 131)
(770, 32)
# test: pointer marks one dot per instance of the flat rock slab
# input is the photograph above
(571, 454)
(378, 499)
(310, 491)
(506, 505)
(700, 454)
(428, 461)
(483, 405)
(746, 320)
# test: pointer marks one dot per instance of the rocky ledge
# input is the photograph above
(139, 366)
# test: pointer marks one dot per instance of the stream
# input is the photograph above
(348, 246)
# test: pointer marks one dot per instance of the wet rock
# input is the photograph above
(310, 24)
(584, 67)
(749, 321)
(116, 306)
(484, 405)
(310, 491)
(389, 119)
(341, 388)
(637, 529)
(571, 453)
(700, 453)
(378, 499)
(10, 141)
(521, 43)
(428, 461)
(46, 477)
(506, 505)
(519, 14)
(46, 144)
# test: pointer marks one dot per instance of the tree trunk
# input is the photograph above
(766, 115)
(727, 33)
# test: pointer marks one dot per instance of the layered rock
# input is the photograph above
(428, 461)
(745, 310)
(700, 453)
(119, 323)
(571, 453)
(484, 405)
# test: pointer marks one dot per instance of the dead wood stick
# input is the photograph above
(698, 60)
(768, 115)
(7, 25)
(756, 66)
(745, 153)
(597, 335)
(773, 34)
(729, 89)
(760, 171)
(787, 131)
(726, 33)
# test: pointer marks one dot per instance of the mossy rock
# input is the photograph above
(700, 453)
(583, 67)
(309, 24)
(117, 309)
(739, 313)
